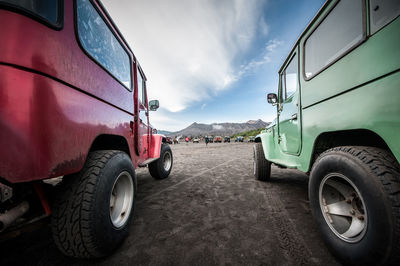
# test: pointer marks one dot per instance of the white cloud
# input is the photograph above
(164, 121)
(187, 48)
(217, 127)
(265, 58)
(264, 27)
(203, 106)
(273, 44)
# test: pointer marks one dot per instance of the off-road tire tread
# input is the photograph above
(263, 165)
(72, 208)
(155, 168)
(384, 166)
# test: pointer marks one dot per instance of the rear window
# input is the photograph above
(382, 12)
(338, 33)
(101, 44)
(47, 10)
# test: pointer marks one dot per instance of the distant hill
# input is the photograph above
(221, 129)
(164, 132)
(249, 133)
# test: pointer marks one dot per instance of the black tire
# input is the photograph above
(160, 169)
(261, 166)
(374, 202)
(81, 220)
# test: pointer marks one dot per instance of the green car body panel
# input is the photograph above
(359, 92)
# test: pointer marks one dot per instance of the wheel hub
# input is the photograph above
(121, 199)
(167, 161)
(343, 207)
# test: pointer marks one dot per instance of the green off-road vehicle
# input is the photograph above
(338, 119)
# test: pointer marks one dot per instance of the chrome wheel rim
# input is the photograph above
(343, 207)
(167, 161)
(121, 199)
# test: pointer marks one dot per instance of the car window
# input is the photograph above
(291, 77)
(45, 9)
(383, 12)
(140, 85)
(339, 32)
(99, 41)
(144, 96)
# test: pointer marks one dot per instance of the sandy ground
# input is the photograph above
(210, 211)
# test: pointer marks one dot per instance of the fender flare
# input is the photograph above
(155, 145)
(258, 138)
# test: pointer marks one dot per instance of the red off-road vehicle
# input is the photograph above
(218, 139)
(73, 107)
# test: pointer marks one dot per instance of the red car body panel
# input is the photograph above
(59, 55)
(55, 100)
(155, 143)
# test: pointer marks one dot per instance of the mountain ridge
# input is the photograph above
(222, 129)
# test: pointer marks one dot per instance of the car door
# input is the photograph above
(142, 117)
(289, 115)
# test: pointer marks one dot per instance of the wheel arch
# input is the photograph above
(356, 137)
(110, 142)
(155, 147)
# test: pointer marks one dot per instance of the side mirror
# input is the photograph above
(153, 105)
(272, 98)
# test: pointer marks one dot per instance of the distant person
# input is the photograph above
(206, 140)
(187, 140)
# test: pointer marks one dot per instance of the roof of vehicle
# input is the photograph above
(304, 32)
(109, 18)
(273, 123)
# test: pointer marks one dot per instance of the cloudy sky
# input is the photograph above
(211, 61)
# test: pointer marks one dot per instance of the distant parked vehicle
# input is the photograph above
(210, 139)
(251, 139)
(239, 139)
(218, 139)
(196, 140)
(227, 139)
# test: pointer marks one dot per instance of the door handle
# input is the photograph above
(294, 117)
